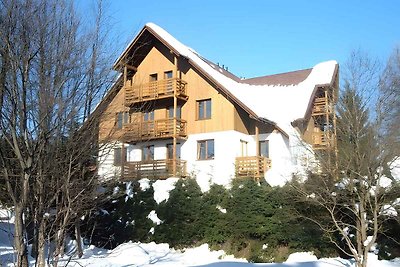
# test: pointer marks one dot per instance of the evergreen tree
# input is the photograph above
(183, 223)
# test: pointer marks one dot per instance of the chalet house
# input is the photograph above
(173, 113)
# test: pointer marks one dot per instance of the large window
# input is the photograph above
(264, 148)
(122, 118)
(118, 156)
(171, 112)
(204, 109)
(170, 151)
(205, 149)
(148, 153)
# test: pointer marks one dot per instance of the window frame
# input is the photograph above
(260, 152)
(166, 73)
(207, 109)
(146, 156)
(178, 112)
(148, 115)
(118, 160)
(206, 143)
(121, 118)
(153, 77)
(178, 150)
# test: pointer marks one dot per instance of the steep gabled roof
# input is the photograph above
(279, 99)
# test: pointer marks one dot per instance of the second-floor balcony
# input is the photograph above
(157, 129)
(138, 93)
(254, 166)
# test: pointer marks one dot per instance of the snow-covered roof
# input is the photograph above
(280, 103)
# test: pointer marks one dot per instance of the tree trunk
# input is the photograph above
(41, 259)
(78, 238)
(19, 242)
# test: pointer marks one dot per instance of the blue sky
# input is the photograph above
(255, 38)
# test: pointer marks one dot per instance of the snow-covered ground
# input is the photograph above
(152, 254)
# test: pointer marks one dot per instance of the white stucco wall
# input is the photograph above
(221, 169)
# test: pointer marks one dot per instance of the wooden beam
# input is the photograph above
(129, 67)
(125, 74)
(257, 141)
(174, 156)
(123, 160)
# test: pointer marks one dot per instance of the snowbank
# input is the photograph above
(162, 189)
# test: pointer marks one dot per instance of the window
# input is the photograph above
(122, 118)
(243, 148)
(168, 74)
(264, 148)
(148, 115)
(153, 77)
(171, 112)
(148, 153)
(205, 149)
(203, 109)
(170, 151)
(118, 156)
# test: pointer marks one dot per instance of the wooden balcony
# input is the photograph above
(154, 169)
(155, 90)
(149, 130)
(255, 166)
(322, 140)
(321, 106)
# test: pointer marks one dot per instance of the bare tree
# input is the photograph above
(52, 71)
(357, 193)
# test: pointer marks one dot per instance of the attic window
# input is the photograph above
(204, 109)
(153, 77)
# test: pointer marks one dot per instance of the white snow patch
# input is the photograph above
(384, 182)
(312, 195)
(301, 257)
(368, 240)
(389, 210)
(221, 209)
(154, 218)
(144, 184)
(162, 189)
(394, 167)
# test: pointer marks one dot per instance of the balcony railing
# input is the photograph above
(155, 90)
(321, 106)
(154, 169)
(255, 166)
(158, 129)
(322, 140)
